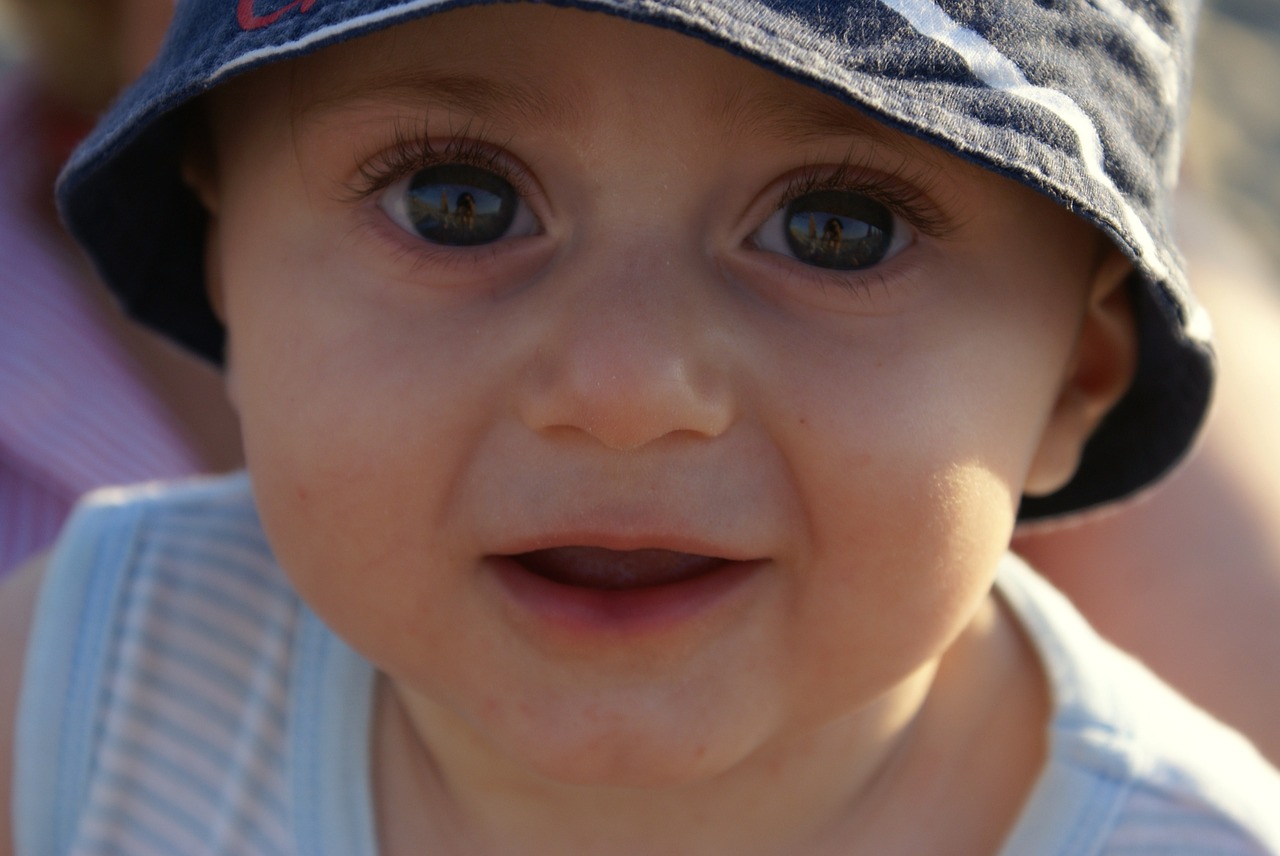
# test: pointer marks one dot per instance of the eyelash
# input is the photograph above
(905, 195)
(415, 150)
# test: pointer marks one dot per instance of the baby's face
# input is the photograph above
(515, 290)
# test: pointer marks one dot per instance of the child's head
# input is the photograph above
(513, 288)
(1081, 102)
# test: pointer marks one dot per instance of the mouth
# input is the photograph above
(591, 593)
(617, 570)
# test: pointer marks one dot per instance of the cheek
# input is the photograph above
(909, 457)
(876, 434)
(322, 426)
(355, 518)
(904, 565)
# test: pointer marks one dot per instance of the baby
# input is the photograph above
(637, 409)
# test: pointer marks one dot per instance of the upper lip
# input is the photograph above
(686, 498)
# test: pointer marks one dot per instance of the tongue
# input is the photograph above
(596, 567)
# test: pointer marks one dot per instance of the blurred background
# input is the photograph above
(1233, 152)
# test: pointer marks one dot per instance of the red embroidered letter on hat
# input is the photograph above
(251, 20)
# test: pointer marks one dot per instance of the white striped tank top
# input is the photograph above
(180, 699)
(198, 707)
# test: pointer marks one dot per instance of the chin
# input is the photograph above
(630, 756)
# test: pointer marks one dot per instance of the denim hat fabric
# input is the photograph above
(1082, 100)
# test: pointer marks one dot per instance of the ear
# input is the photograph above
(200, 176)
(214, 291)
(1101, 369)
(199, 168)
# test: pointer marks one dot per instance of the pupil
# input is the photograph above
(460, 205)
(839, 230)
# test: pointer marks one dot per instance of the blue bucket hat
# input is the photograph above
(1081, 100)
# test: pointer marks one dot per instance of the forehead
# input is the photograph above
(530, 64)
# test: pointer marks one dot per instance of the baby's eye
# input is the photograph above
(834, 229)
(458, 205)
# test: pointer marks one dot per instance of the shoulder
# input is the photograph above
(1183, 782)
(1133, 766)
(176, 526)
(117, 535)
(1185, 821)
(228, 495)
(117, 553)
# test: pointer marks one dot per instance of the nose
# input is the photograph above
(635, 354)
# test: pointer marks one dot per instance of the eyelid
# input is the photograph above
(905, 195)
(414, 148)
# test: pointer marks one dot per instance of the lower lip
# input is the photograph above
(596, 613)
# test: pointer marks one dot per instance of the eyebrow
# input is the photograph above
(784, 114)
(807, 117)
(481, 96)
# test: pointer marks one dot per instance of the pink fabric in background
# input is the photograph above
(74, 413)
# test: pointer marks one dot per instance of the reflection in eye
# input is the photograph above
(460, 205)
(837, 229)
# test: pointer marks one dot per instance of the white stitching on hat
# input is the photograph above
(1161, 54)
(999, 72)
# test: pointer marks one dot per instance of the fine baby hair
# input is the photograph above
(638, 398)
